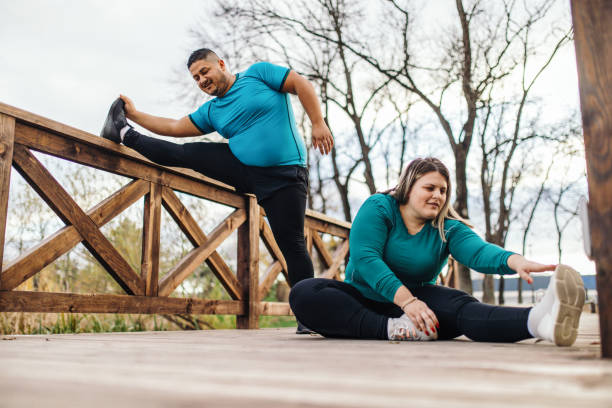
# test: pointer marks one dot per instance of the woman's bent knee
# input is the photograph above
(305, 295)
(300, 295)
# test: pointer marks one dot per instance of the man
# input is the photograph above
(265, 154)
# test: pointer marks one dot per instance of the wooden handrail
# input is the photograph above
(40, 122)
(21, 132)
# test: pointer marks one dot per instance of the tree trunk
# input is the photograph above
(500, 299)
(461, 206)
(461, 201)
(464, 279)
(342, 189)
(488, 290)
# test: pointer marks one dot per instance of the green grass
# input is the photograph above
(277, 321)
(73, 323)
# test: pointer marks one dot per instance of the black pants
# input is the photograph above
(280, 190)
(337, 309)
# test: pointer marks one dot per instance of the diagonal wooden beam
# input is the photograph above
(7, 138)
(339, 254)
(308, 235)
(151, 227)
(323, 252)
(195, 258)
(56, 245)
(269, 278)
(64, 206)
(126, 162)
(192, 230)
(268, 239)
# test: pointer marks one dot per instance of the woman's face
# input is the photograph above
(427, 196)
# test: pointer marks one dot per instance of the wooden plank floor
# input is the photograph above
(275, 367)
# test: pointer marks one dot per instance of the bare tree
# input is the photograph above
(563, 214)
(461, 76)
(479, 57)
(534, 205)
(289, 33)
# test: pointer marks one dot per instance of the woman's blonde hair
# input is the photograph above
(414, 171)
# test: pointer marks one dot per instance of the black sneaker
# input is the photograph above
(115, 121)
(301, 329)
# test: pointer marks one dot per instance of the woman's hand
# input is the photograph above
(422, 316)
(524, 267)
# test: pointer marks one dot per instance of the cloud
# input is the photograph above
(68, 60)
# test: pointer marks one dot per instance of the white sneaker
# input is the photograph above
(557, 316)
(402, 328)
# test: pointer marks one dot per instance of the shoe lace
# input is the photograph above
(401, 333)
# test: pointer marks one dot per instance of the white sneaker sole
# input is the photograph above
(571, 295)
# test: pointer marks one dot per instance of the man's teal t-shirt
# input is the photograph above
(256, 117)
(385, 256)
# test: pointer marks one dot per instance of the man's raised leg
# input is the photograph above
(214, 160)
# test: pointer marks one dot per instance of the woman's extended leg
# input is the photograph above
(337, 309)
(462, 314)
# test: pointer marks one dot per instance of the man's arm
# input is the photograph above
(298, 85)
(162, 126)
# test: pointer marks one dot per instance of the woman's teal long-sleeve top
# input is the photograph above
(384, 255)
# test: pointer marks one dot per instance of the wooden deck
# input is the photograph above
(275, 367)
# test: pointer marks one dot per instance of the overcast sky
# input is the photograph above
(68, 60)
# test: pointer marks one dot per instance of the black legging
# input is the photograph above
(281, 190)
(337, 309)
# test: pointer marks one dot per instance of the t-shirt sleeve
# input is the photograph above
(368, 237)
(471, 250)
(201, 119)
(272, 75)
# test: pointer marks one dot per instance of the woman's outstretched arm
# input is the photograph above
(471, 250)
(524, 267)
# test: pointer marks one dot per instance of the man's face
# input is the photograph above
(211, 76)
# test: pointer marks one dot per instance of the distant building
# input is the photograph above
(531, 292)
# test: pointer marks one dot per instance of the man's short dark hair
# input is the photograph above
(201, 54)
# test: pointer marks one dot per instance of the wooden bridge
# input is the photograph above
(22, 132)
(277, 368)
(271, 367)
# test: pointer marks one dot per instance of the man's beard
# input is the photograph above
(220, 88)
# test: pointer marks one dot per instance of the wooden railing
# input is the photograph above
(21, 132)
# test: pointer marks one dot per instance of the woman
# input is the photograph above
(399, 242)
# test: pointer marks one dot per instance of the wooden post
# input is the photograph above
(149, 270)
(7, 137)
(593, 42)
(248, 266)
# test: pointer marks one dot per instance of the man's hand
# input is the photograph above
(130, 108)
(321, 137)
(298, 85)
(162, 126)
